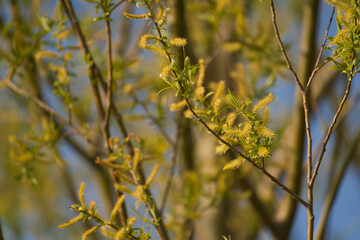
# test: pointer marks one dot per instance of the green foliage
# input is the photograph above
(109, 227)
(345, 45)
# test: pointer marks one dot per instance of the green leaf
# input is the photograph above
(329, 58)
(233, 100)
(166, 88)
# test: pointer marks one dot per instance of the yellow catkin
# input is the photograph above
(105, 230)
(263, 151)
(91, 207)
(177, 106)
(124, 189)
(81, 194)
(165, 72)
(188, 114)
(263, 102)
(90, 231)
(160, 10)
(201, 77)
(144, 39)
(221, 149)
(178, 42)
(133, 16)
(143, 44)
(136, 158)
(199, 93)
(230, 119)
(245, 130)
(152, 174)
(266, 115)
(234, 164)
(71, 222)
(199, 90)
(163, 17)
(156, 50)
(264, 131)
(120, 234)
(214, 126)
(216, 100)
(117, 206)
(216, 105)
(140, 193)
(131, 221)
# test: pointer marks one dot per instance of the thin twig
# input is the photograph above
(317, 67)
(327, 137)
(171, 171)
(116, 5)
(305, 97)
(282, 48)
(154, 120)
(334, 188)
(109, 93)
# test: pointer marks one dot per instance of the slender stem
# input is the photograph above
(116, 5)
(309, 167)
(109, 81)
(334, 188)
(327, 137)
(49, 110)
(282, 48)
(171, 172)
(317, 67)
(154, 120)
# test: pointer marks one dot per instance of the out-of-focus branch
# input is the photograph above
(333, 189)
(317, 67)
(47, 109)
(109, 81)
(282, 48)
(171, 172)
(1, 233)
(327, 137)
(264, 214)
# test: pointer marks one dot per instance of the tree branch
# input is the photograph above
(333, 189)
(281, 45)
(317, 67)
(327, 137)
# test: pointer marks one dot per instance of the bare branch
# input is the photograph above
(282, 48)
(334, 187)
(327, 137)
(116, 5)
(171, 171)
(109, 81)
(317, 67)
